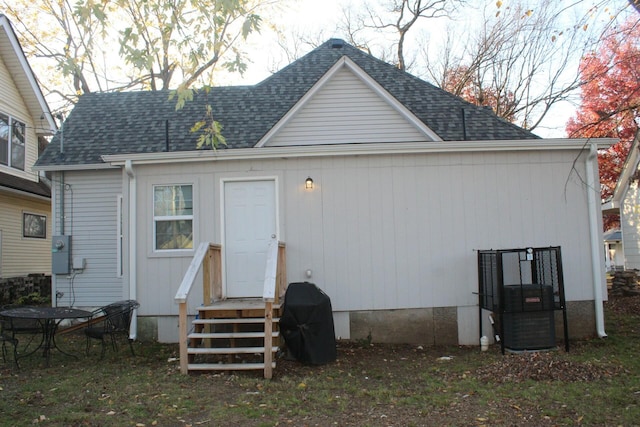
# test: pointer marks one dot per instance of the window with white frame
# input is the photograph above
(12, 140)
(173, 217)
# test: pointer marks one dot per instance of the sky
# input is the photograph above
(311, 16)
(315, 17)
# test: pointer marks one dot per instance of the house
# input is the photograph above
(626, 203)
(613, 250)
(25, 197)
(382, 186)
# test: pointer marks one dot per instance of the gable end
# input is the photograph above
(347, 106)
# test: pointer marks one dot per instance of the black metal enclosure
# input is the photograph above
(307, 324)
(523, 288)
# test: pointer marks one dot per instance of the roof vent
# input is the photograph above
(336, 43)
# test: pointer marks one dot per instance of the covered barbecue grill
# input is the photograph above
(307, 324)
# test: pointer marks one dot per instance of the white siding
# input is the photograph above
(91, 200)
(20, 255)
(346, 110)
(630, 227)
(11, 103)
(390, 232)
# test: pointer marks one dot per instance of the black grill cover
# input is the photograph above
(307, 324)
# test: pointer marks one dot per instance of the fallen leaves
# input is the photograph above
(543, 366)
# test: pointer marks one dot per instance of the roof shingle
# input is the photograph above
(134, 122)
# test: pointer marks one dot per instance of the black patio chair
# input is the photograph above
(6, 336)
(10, 328)
(110, 321)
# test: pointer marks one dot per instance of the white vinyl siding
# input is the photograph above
(630, 227)
(20, 255)
(346, 111)
(391, 232)
(91, 219)
(12, 104)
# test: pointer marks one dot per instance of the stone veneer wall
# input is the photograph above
(13, 288)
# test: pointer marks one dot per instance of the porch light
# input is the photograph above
(308, 184)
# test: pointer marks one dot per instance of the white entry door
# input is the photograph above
(249, 226)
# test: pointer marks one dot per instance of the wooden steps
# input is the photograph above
(230, 335)
(228, 366)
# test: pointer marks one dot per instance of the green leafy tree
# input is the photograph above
(173, 45)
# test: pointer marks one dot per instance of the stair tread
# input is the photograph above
(237, 305)
(226, 366)
(275, 334)
(229, 320)
(229, 350)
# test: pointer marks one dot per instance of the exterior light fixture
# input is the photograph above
(308, 184)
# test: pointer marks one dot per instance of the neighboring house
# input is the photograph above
(613, 250)
(409, 182)
(25, 198)
(626, 202)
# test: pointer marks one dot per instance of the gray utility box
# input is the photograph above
(61, 254)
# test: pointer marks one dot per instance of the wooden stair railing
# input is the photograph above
(208, 257)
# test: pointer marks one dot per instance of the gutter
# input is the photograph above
(133, 250)
(80, 167)
(595, 237)
(328, 150)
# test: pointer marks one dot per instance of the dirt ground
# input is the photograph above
(379, 363)
(368, 385)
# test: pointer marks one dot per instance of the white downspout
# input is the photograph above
(128, 167)
(596, 268)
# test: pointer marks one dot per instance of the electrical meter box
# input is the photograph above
(61, 254)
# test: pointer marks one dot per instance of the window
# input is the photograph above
(173, 217)
(34, 225)
(12, 138)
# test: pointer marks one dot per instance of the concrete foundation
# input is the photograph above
(421, 326)
(581, 320)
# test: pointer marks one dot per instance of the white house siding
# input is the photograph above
(20, 255)
(11, 103)
(630, 226)
(390, 232)
(91, 200)
(346, 111)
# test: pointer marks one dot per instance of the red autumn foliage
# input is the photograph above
(610, 101)
(465, 83)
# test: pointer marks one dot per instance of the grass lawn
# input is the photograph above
(597, 383)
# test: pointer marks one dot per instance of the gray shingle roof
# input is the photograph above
(134, 122)
(12, 182)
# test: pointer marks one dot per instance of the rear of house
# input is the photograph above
(408, 183)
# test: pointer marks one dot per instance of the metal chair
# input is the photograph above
(110, 321)
(10, 328)
(7, 336)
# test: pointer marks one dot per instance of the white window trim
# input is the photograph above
(156, 219)
(11, 120)
(119, 238)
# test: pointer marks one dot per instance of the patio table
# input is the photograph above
(49, 318)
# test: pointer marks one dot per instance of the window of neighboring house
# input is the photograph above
(173, 217)
(12, 139)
